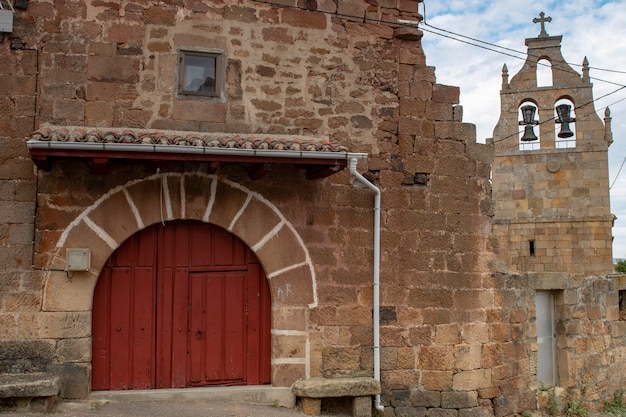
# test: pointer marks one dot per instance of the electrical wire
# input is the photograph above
(575, 108)
(490, 47)
(618, 172)
(473, 42)
(524, 54)
(454, 36)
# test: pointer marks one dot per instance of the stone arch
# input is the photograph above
(565, 128)
(527, 103)
(131, 207)
(544, 72)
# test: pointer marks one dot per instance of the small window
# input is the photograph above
(201, 74)
(531, 247)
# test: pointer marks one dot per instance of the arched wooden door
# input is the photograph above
(179, 305)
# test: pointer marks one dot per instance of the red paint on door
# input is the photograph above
(179, 305)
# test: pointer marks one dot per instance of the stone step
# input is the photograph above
(38, 384)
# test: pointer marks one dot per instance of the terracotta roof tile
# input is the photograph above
(178, 138)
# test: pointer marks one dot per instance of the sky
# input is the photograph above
(595, 29)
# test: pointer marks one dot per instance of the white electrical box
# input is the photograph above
(6, 20)
(78, 259)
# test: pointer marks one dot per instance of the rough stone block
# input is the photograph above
(476, 412)
(442, 412)
(336, 387)
(284, 375)
(400, 398)
(459, 399)
(289, 318)
(426, 399)
(435, 357)
(362, 406)
(29, 385)
(113, 68)
(446, 94)
(22, 356)
(311, 406)
(437, 380)
(472, 380)
(305, 19)
(618, 329)
(288, 346)
(409, 411)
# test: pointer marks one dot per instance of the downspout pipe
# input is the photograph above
(353, 162)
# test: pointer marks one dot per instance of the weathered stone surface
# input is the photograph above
(450, 328)
(311, 406)
(336, 387)
(25, 356)
(29, 385)
(463, 399)
(408, 34)
(362, 406)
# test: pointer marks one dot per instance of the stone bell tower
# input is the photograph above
(550, 171)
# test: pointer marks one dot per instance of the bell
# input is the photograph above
(565, 131)
(563, 119)
(529, 134)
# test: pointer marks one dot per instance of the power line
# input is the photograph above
(455, 36)
(451, 35)
(618, 172)
(511, 49)
(575, 108)
(490, 47)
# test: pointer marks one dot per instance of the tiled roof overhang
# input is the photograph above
(319, 157)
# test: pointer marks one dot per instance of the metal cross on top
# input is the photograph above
(542, 19)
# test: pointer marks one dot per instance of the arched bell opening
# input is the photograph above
(527, 116)
(565, 124)
(544, 73)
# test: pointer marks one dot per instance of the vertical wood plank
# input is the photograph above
(180, 306)
(235, 336)
(265, 313)
(143, 324)
(100, 331)
(120, 347)
(253, 330)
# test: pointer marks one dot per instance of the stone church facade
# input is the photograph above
(313, 145)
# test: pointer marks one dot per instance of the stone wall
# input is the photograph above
(20, 284)
(590, 339)
(456, 337)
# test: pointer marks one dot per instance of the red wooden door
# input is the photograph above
(185, 304)
(217, 328)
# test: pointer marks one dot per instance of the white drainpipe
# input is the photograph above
(377, 405)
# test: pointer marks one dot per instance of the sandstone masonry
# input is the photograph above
(457, 330)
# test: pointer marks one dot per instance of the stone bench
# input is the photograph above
(312, 391)
(23, 388)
